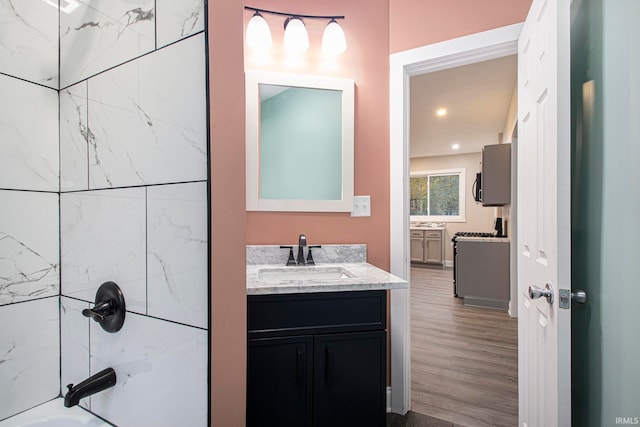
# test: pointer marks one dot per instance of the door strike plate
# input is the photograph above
(565, 298)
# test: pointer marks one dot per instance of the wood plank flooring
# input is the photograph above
(464, 360)
(414, 419)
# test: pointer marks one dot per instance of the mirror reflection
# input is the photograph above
(300, 143)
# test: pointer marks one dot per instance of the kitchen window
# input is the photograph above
(437, 195)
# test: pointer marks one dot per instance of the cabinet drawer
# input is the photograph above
(417, 233)
(434, 233)
(288, 314)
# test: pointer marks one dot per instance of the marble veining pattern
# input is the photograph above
(28, 246)
(74, 351)
(364, 276)
(164, 362)
(29, 351)
(145, 131)
(28, 152)
(74, 132)
(273, 254)
(177, 19)
(177, 252)
(29, 41)
(101, 34)
(103, 239)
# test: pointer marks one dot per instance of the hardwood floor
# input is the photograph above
(464, 360)
(413, 419)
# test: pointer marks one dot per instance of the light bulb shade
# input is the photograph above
(296, 38)
(333, 40)
(258, 33)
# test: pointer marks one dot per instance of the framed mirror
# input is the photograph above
(299, 142)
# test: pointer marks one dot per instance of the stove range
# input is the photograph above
(472, 234)
(455, 249)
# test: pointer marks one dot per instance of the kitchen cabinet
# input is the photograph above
(496, 175)
(317, 359)
(483, 272)
(427, 246)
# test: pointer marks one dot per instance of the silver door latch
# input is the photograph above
(566, 296)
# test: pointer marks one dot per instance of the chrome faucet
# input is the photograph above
(302, 242)
(92, 385)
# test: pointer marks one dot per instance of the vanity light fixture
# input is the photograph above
(333, 40)
(258, 33)
(296, 38)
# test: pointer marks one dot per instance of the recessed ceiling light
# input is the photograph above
(455, 146)
(441, 112)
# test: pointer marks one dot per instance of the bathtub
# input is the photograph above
(54, 414)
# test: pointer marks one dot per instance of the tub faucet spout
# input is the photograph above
(92, 385)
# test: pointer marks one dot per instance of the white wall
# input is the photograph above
(478, 218)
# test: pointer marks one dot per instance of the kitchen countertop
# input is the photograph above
(483, 239)
(424, 227)
(366, 277)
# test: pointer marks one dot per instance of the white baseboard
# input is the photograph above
(388, 399)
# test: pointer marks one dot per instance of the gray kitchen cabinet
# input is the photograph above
(483, 272)
(427, 246)
(496, 175)
(417, 246)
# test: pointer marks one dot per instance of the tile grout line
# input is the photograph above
(146, 249)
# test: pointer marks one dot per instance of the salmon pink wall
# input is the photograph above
(415, 23)
(228, 278)
(366, 61)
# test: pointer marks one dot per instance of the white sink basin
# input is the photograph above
(304, 273)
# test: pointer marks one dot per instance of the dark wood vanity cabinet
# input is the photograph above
(323, 365)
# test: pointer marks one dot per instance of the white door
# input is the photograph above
(544, 183)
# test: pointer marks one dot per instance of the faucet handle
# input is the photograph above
(100, 311)
(310, 260)
(291, 260)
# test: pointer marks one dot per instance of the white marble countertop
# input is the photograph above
(365, 277)
(483, 239)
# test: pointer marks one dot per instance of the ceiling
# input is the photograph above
(477, 99)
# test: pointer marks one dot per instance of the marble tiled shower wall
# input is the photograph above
(29, 245)
(105, 179)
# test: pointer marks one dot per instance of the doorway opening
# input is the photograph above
(404, 65)
(463, 342)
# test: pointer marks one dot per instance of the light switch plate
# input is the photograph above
(361, 206)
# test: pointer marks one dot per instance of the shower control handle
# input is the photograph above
(99, 311)
(110, 309)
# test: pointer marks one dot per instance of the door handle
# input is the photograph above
(536, 292)
(579, 297)
(299, 383)
(326, 364)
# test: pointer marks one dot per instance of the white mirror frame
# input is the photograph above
(253, 79)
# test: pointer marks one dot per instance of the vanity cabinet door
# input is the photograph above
(350, 379)
(279, 389)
